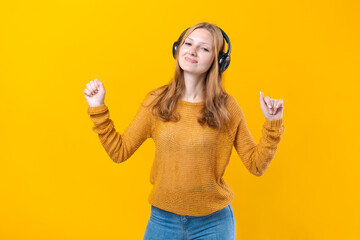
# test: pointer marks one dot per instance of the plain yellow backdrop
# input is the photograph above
(56, 180)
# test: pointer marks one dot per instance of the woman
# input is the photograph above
(194, 124)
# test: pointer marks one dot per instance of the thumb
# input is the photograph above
(262, 101)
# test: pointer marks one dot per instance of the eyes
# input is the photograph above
(189, 44)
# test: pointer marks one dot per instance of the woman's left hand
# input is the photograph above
(272, 108)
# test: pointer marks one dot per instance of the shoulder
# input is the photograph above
(233, 107)
(152, 95)
(231, 103)
(157, 91)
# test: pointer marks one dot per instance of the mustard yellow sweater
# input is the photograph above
(190, 159)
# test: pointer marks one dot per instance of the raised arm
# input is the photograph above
(256, 157)
(118, 146)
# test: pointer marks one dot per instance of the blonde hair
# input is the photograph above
(214, 112)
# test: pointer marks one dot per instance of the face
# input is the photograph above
(197, 53)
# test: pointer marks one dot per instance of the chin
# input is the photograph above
(187, 67)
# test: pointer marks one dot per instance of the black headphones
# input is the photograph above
(224, 58)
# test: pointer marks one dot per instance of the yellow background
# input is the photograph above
(56, 180)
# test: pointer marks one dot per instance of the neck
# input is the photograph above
(194, 85)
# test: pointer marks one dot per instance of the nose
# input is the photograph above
(192, 51)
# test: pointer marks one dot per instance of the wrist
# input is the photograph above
(96, 105)
(273, 118)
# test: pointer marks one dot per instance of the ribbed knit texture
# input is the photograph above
(190, 159)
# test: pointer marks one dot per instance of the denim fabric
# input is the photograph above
(164, 225)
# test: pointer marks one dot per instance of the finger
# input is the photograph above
(97, 84)
(87, 92)
(100, 84)
(261, 98)
(280, 103)
(271, 106)
(91, 89)
(93, 86)
(276, 103)
(267, 100)
(88, 86)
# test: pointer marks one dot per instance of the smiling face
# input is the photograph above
(197, 53)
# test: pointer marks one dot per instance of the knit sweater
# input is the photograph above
(190, 159)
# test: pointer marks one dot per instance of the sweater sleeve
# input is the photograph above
(118, 146)
(257, 157)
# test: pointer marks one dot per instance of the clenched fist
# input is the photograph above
(95, 93)
(272, 108)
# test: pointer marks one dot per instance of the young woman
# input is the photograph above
(194, 124)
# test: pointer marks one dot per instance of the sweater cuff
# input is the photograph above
(273, 123)
(99, 109)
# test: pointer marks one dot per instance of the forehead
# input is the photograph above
(201, 35)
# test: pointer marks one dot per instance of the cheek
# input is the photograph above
(209, 60)
(182, 50)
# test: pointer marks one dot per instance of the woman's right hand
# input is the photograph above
(94, 93)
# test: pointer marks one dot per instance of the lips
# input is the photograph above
(190, 60)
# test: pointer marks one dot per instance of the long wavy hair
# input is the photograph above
(214, 112)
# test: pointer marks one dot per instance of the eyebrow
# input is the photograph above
(200, 42)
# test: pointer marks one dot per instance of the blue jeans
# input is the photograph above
(164, 225)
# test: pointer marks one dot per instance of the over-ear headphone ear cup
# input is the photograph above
(175, 48)
(224, 61)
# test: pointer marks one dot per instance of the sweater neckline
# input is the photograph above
(191, 103)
